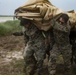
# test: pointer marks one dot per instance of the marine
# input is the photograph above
(36, 47)
(61, 31)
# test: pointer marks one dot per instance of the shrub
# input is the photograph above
(9, 27)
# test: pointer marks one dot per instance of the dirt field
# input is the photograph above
(11, 60)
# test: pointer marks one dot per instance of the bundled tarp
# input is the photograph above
(38, 11)
(72, 16)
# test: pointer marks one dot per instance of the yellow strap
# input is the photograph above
(43, 34)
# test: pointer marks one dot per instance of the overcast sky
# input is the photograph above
(7, 7)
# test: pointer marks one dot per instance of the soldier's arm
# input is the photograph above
(18, 33)
(26, 38)
(64, 28)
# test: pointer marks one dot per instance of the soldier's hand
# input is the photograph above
(50, 16)
(18, 33)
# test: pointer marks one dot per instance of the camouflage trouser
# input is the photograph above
(54, 54)
(74, 52)
(34, 54)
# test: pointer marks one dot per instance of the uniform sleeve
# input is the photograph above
(64, 28)
(52, 22)
(26, 38)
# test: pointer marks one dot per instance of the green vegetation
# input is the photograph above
(6, 15)
(8, 27)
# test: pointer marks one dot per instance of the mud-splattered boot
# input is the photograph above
(52, 72)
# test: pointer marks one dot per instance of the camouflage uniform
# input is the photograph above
(35, 50)
(73, 43)
(61, 46)
(49, 41)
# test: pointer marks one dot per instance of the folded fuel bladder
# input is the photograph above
(72, 18)
(38, 11)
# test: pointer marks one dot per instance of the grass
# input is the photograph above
(9, 27)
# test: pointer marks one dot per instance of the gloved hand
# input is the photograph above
(18, 33)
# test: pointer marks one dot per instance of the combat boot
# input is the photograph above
(52, 72)
(39, 66)
(30, 70)
(39, 71)
(68, 71)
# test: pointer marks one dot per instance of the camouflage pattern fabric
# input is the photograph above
(35, 51)
(74, 51)
(73, 43)
(61, 47)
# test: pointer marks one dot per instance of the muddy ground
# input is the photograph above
(11, 59)
(11, 47)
